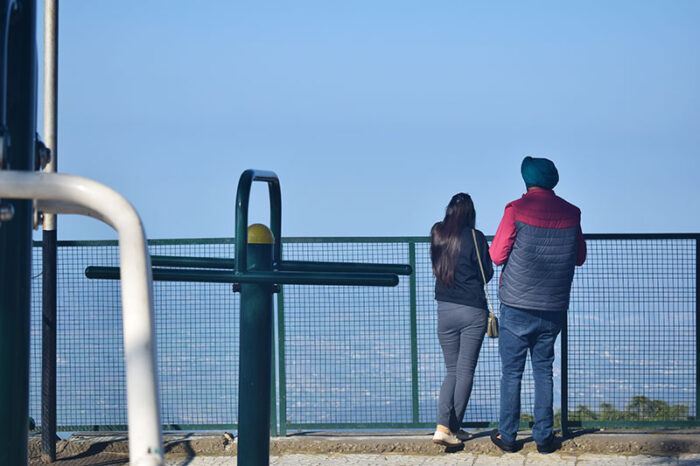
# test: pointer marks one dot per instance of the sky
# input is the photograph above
(374, 113)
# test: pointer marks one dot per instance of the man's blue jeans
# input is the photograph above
(519, 331)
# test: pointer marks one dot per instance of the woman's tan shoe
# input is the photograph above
(446, 439)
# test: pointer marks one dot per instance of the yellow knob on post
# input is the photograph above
(260, 234)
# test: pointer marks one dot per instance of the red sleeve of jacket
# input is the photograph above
(580, 248)
(504, 239)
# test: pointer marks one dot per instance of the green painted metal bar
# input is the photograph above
(18, 100)
(633, 424)
(355, 239)
(191, 427)
(273, 381)
(426, 239)
(367, 425)
(414, 334)
(697, 330)
(254, 384)
(391, 425)
(124, 427)
(339, 426)
(288, 266)
(282, 362)
(288, 278)
(361, 239)
(193, 262)
(565, 376)
(303, 266)
(242, 200)
(633, 236)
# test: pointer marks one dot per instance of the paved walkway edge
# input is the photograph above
(411, 443)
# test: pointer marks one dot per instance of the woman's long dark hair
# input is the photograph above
(445, 237)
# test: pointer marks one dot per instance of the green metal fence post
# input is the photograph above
(273, 381)
(697, 329)
(414, 333)
(282, 362)
(254, 382)
(565, 376)
(18, 103)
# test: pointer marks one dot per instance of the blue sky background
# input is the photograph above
(374, 113)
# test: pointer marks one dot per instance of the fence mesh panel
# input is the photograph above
(632, 332)
(196, 340)
(348, 350)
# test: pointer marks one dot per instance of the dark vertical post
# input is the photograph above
(414, 333)
(273, 388)
(282, 362)
(255, 354)
(48, 267)
(16, 237)
(48, 347)
(697, 329)
(565, 376)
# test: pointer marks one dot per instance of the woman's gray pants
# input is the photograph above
(461, 331)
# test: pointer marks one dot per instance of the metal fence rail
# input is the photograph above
(364, 357)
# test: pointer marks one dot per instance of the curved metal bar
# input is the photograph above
(279, 278)
(242, 201)
(63, 207)
(71, 194)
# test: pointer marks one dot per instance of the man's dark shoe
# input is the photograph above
(507, 447)
(548, 447)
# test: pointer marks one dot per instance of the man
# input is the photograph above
(540, 241)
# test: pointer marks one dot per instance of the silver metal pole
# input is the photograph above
(50, 91)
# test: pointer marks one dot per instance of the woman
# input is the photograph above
(462, 310)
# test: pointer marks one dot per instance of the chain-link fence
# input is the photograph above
(368, 357)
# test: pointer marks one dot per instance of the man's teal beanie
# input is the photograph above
(539, 172)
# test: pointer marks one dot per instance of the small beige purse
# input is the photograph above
(492, 324)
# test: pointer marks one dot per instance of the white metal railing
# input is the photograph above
(67, 194)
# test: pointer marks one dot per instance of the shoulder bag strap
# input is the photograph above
(483, 275)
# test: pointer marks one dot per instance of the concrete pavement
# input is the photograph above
(389, 448)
